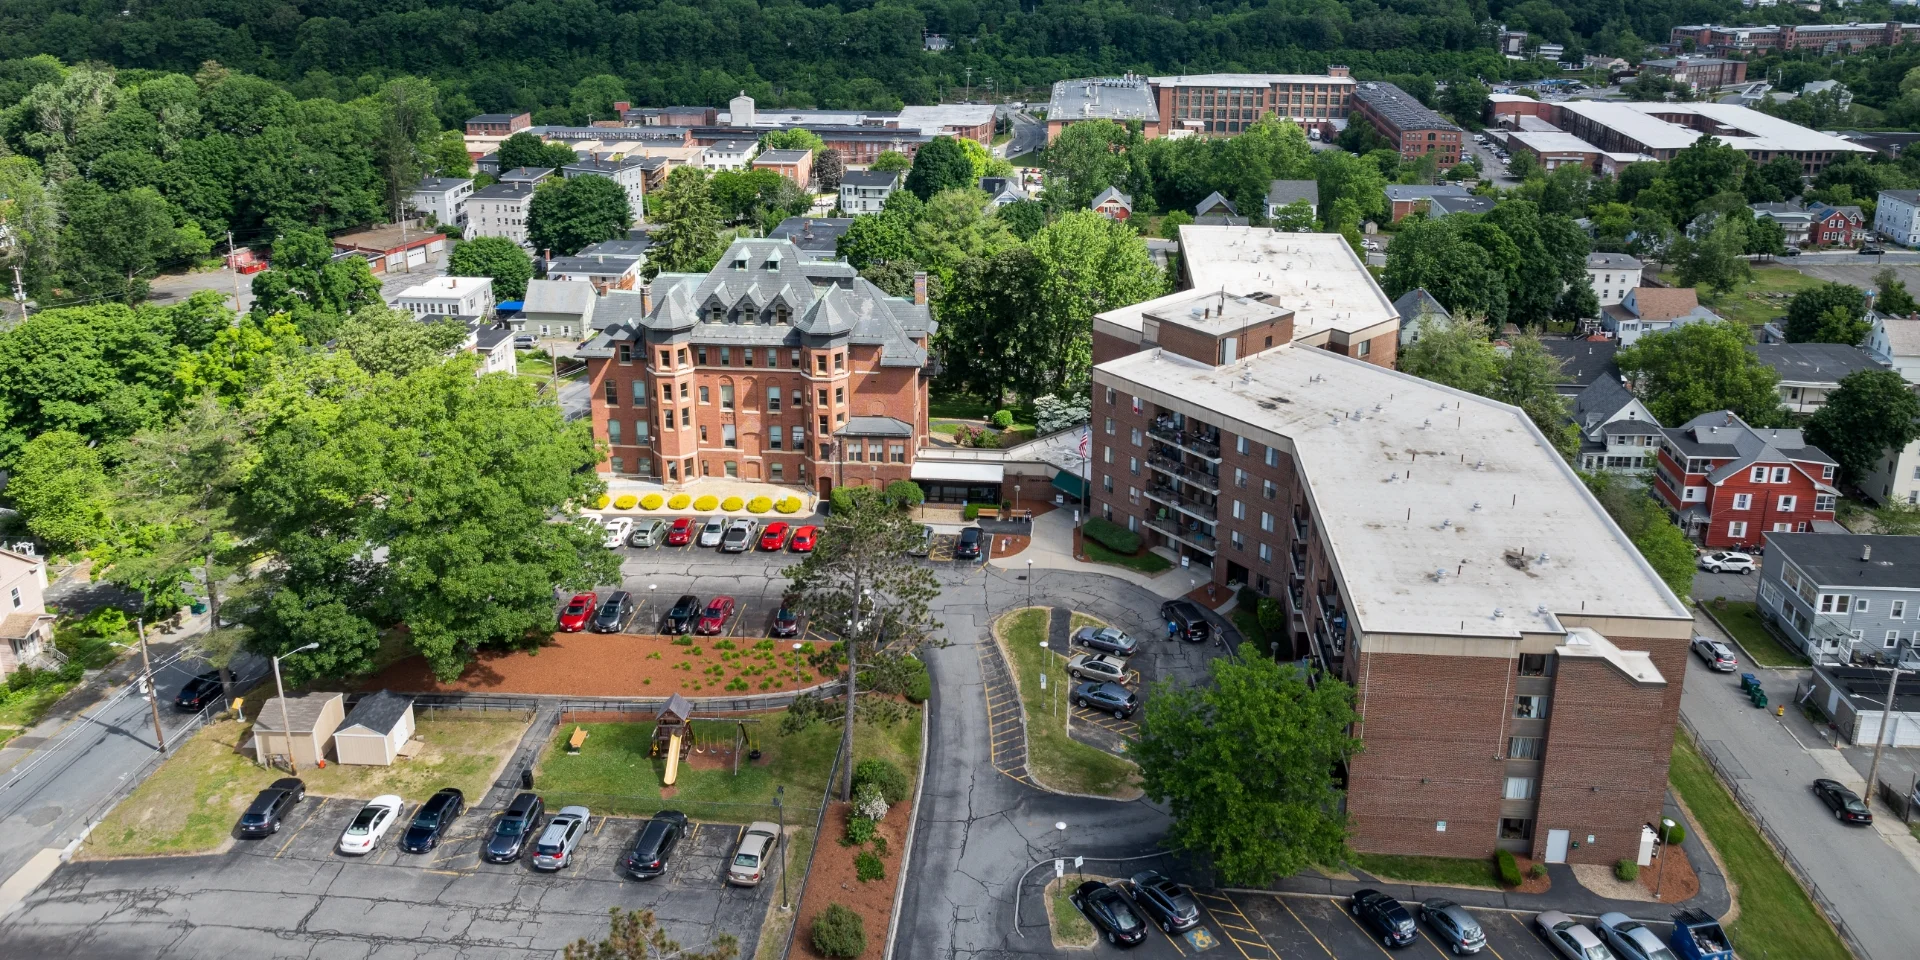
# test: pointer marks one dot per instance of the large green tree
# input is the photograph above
(384, 340)
(315, 290)
(1085, 159)
(1873, 414)
(940, 164)
(686, 237)
(1828, 313)
(1699, 368)
(60, 487)
(568, 214)
(1246, 766)
(1648, 527)
(1440, 256)
(506, 262)
(527, 150)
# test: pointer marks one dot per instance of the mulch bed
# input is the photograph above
(609, 665)
(1679, 883)
(1528, 882)
(832, 881)
(1009, 544)
(1209, 595)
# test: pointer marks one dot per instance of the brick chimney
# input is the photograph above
(646, 299)
(920, 288)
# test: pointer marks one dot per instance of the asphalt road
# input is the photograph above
(1029, 134)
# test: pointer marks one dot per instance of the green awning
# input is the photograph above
(1070, 484)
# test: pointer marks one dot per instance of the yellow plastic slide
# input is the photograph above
(673, 759)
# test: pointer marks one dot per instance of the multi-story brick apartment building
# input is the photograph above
(1517, 666)
(1413, 129)
(1825, 37)
(1701, 73)
(1730, 484)
(500, 125)
(773, 366)
(1211, 104)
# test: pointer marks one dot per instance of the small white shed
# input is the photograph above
(375, 730)
(312, 717)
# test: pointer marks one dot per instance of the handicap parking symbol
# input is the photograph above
(1199, 938)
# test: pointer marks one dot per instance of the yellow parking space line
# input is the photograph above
(1238, 944)
(312, 812)
(1303, 925)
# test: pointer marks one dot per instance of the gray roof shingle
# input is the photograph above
(377, 712)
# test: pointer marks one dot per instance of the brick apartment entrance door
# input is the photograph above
(1556, 846)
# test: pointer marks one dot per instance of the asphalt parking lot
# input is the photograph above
(292, 895)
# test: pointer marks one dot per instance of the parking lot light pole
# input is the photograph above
(1660, 872)
(781, 813)
(286, 725)
(1029, 581)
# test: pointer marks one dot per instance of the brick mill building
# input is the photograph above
(772, 367)
(1412, 128)
(1517, 665)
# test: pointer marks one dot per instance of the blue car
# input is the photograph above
(1106, 697)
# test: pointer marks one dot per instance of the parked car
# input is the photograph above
(1105, 640)
(1630, 939)
(1189, 623)
(514, 828)
(262, 817)
(1871, 251)
(555, 847)
(1097, 666)
(712, 531)
(713, 621)
(199, 692)
(617, 530)
(680, 533)
(1110, 913)
(804, 539)
(774, 537)
(924, 545)
(1452, 925)
(1383, 916)
(363, 833)
(1107, 697)
(968, 546)
(1163, 901)
(522, 341)
(1845, 804)
(786, 623)
(1726, 561)
(573, 618)
(1790, 252)
(682, 616)
(614, 613)
(432, 820)
(750, 857)
(1570, 938)
(739, 536)
(647, 532)
(1715, 654)
(654, 845)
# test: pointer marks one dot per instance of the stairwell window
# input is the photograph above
(1519, 788)
(1529, 707)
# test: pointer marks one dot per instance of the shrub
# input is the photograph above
(868, 802)
(1111, 535)
(843, 498)
(838, 932)
(601, 504)
(1537, 871)
(867, 866)
(1626, 871)
(626, 501)
(731, 504)
(893, 783)
(759, 504)
(918, 686)
(905, 493)
(679, 502)
(789, 505)
(1003, 418)
(1509, 869)
(706, 503)
(972, 511)
(859, 831)
(1675, 834)
(652, 501)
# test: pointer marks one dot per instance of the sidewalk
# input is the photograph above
(1052, 549)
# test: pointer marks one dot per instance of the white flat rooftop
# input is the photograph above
(444, 287)
(1757, 131)
(931, 119)
(1407, 480)
(1244, 79)
(1554, 142)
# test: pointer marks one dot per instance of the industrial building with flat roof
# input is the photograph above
(1517, 666)
(1413, 128)
(1657, 131)
(1204, 104)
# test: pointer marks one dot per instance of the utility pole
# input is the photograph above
(19, 293)
(1880, 738)
(153, 692)
(233, 263)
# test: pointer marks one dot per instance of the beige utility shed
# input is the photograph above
(379, 725)
(313, 717)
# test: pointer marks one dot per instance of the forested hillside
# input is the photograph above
(530, 54)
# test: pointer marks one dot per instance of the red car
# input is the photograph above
(681, 533)
(803, 538)
(579, 610)
(714, 618)
(774, 537)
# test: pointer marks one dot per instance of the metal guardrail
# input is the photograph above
(819, 825)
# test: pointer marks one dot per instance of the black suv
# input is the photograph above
(1164, 902)
(968, 548)
(685, 612)
(264, 814)
(432, 820)
(654, 846)
(613, 614)
(1189, 623)
(514, 829)
(1384, 916)
(199, 692)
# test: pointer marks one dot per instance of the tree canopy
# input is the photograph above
(496, 257)
(1828, 313)
(1698, 368)
(1872, 413)
(568, 214)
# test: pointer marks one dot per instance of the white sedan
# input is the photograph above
(370, 824)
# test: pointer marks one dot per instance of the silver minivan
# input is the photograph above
(647, 532)
(564, 832)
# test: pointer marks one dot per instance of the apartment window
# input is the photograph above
(1270, 490)
(1787, 504)
(666, 392)
(1135, 436)
(626, 353)
(1835, 602)
(639, 393)
(1136, 404)
(820, 397)
(1823, 502)
(1239, 510)
(1109, 426)
(666, 358)
(1240, 445)
(897, 452)
(1133, 465)
(1523, 748)
(1893, 638)
(613, 393)
(773, 360)
(1239, 478)
(1527, 707)
(1366, 347)
(1897, 610)
(686, 390)
(703, 433)
(640, 431)
(686, 416)
(793, 359)
(733, 468)
(14, 595)
(1273, 457)
(613, 432)
(825, 429)
(839, 361)
(1266, 552)
(1106, 454)
(1737, 529)
(1519, 788)
(1742, 501)
(1860, 604)
(619, 466)
(682, 353)
(705, 396)
(799, 438)
(1239, 542)
(820, 363)
(728, 438)
(701, 353)
(839, 395)
(746, 357)
(726, 396)
(773, 399)
(1533, 664)
(1266, 521)
(1779, 474)
(773, 439)
(1106, 482)
(1109, 396)
(1758, 475)
(726, 356)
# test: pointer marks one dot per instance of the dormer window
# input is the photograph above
(780, 314)
(716, 314)
(773, 263)
(740, 264)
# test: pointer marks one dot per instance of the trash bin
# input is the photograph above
(199, 607)
(526, 778)
(1749, 683)
(1759, 698)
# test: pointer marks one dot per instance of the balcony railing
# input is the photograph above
(1196, 445)
(1297, 564)
(1188, 533)
(1334, 616)
(1191, 476)
(1299, 529)
(1164, 493)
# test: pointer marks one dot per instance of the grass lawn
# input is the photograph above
(1145, 562)
(957, 406)
(1070, 926)
(1440, 871)
(773, 928)
(191, 802)
(614, 769)
(1774, 910)
(1742, 618)
(1053, 757)
(1749, 302)
(24, 708)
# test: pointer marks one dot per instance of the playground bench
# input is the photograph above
(579, 737)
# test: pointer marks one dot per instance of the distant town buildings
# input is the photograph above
(1822, 37)
(1645, 310)
(443, 200)
(1616, 133)
(1412, 128)
(1612, 275)
(1897, 217)
(1700, 73)
(866, 191)
(500, 210)
(1214, 103)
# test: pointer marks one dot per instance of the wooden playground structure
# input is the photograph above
(675, 738)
